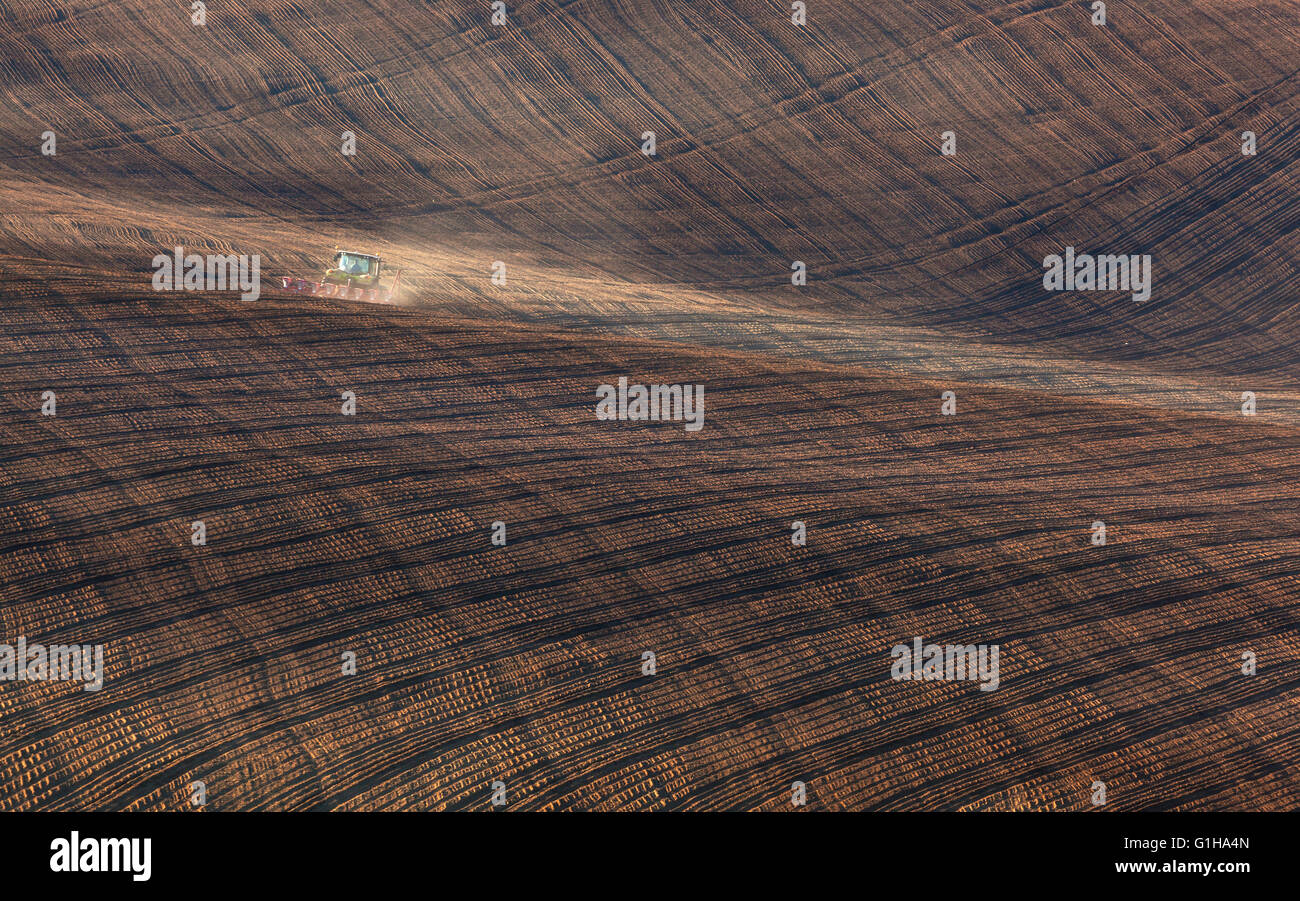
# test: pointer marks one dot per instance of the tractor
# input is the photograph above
(354, 276)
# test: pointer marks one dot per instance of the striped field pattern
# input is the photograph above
(520, 143)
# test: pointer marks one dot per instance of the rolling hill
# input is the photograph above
(370, 534)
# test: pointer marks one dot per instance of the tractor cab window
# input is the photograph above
(354, 265)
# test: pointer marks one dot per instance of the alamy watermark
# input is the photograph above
(23, 662)
(655, 403)
(951, 663)
(180, 271)
(1103, 272)
(75, 854)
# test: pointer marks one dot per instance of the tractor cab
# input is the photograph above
(359, 270)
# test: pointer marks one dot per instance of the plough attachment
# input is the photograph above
(343, 292)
